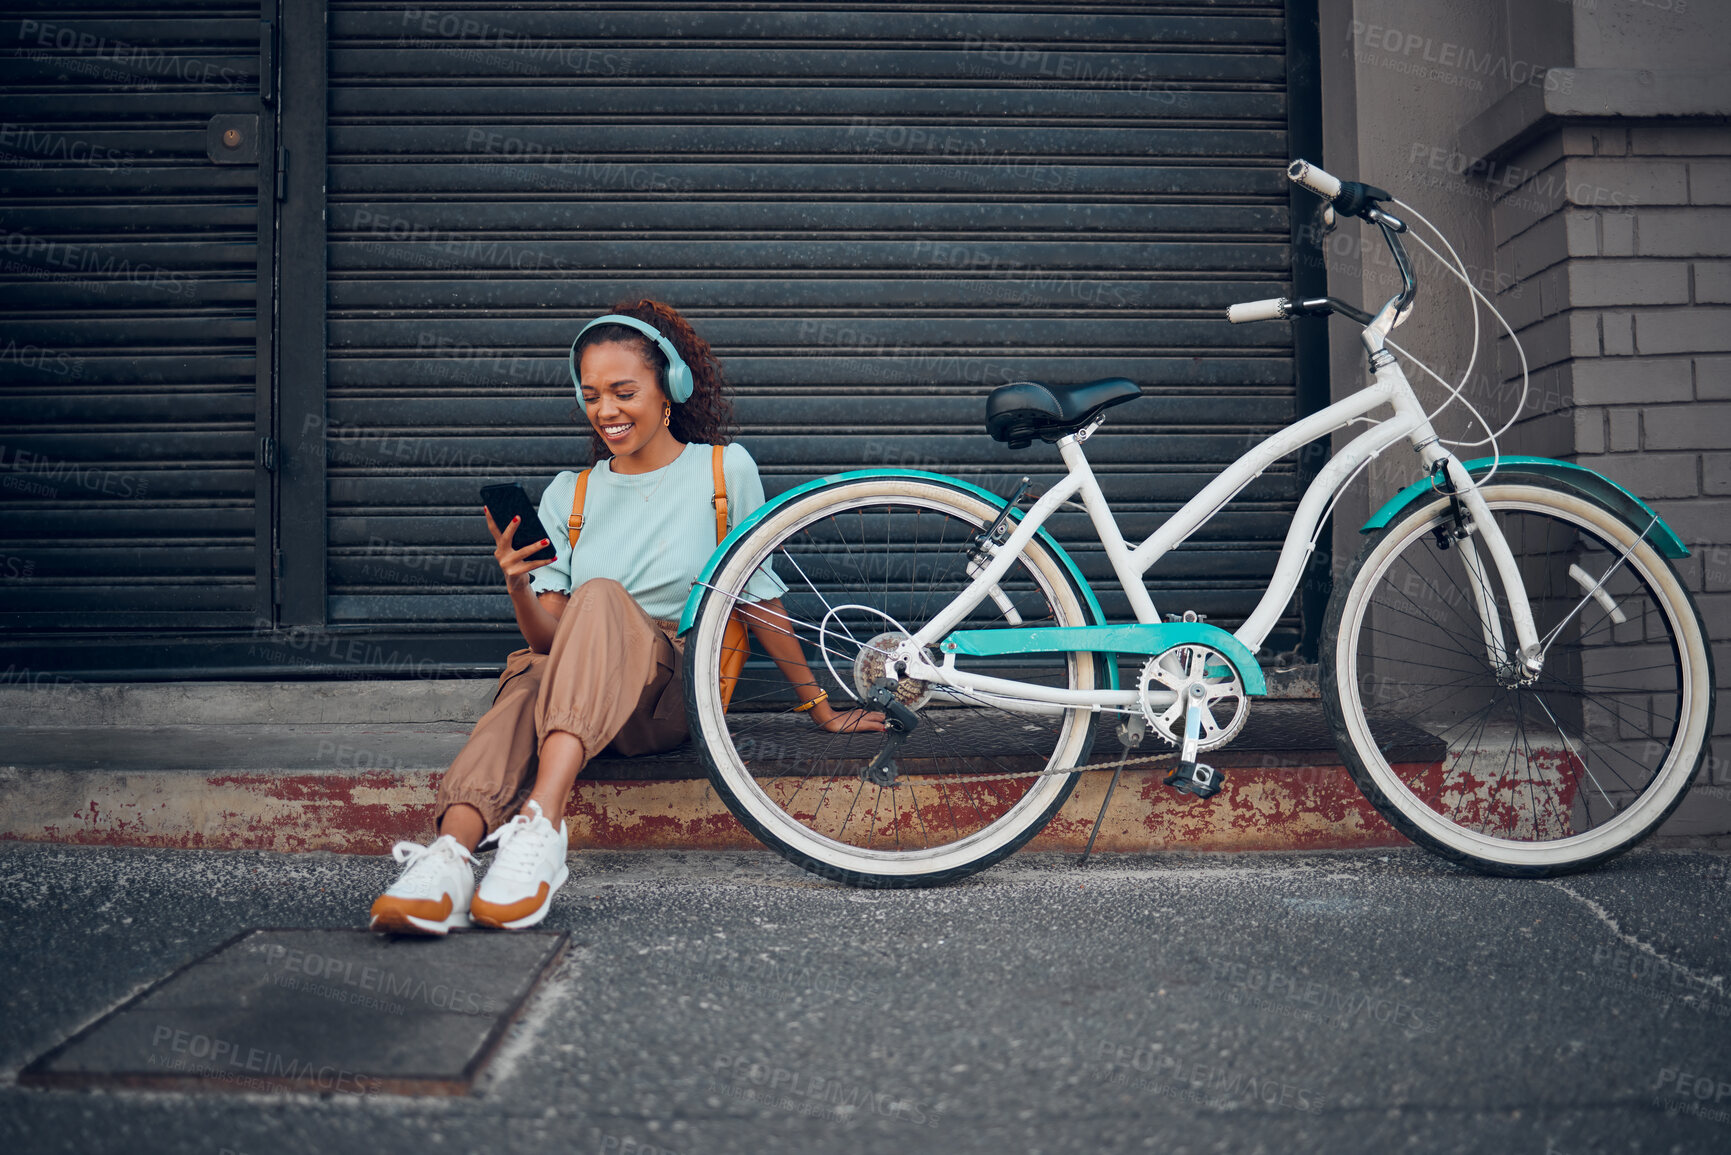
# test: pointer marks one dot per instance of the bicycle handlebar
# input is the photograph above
(1281, 309)
(1321, 183)
(1350, 198)
(1273, 309)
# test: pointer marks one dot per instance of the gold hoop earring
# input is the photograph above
(667, 416)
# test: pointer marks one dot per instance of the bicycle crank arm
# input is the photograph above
(1189, 776)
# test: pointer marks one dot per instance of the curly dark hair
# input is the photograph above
(706, 417)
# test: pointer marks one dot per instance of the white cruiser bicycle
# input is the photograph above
(1514, 674)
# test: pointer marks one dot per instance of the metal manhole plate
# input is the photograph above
(336, 1011)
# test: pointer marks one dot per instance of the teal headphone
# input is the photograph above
(678, 372)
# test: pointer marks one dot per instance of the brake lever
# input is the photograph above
(1355, 199)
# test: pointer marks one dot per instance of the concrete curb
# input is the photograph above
(367, 812)
(314, 766)
(1314, 807)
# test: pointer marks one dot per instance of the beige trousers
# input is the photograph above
(613, 678)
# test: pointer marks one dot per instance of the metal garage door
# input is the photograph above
(134, 372)
(876, 214)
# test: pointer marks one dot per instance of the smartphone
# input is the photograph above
(507, 501)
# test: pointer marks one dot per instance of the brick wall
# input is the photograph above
(1619, 237)
(1595, 194)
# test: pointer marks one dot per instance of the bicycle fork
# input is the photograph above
(1471, 515)
(1466, 504)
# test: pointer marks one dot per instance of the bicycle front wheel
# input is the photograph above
(867, 562)
(1455, 748)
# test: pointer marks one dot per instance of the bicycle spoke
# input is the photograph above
(1529, 763)
(970, 767)
(1584, 767)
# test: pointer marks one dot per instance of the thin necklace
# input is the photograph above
(665, 469)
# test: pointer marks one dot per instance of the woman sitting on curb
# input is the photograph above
(603, 667)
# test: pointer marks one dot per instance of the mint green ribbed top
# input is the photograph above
(651, 532)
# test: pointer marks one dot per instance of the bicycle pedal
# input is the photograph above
(1197, 778)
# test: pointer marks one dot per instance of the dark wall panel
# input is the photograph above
(875, 215)
(134, 364)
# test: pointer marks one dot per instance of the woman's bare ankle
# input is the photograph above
(465, 824)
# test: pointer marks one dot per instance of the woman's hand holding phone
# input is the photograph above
(515, 562)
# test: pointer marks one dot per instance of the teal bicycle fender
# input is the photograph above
(1588, 483)
(1133, 638)
(689, 615)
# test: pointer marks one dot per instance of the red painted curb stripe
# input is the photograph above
(1312, 808)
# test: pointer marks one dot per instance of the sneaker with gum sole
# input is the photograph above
(526, 873)
(433, 893)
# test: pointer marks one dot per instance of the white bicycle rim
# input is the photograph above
(1671, 778)
(707, 633)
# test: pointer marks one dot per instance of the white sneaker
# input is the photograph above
(526, 873)
(432, 894)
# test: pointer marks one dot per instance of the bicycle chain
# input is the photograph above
(1070, 770)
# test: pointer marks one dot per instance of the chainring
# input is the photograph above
(1175, 670)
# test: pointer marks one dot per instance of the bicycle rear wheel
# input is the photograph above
(868, 561)
(1453, 749)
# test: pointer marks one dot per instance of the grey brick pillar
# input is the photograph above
(1611, 194)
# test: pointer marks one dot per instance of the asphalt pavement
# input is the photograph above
(1376, 1001)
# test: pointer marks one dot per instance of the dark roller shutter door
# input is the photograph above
(133, 364)
(875, 216)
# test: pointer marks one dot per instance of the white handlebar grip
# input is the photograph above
(1304, 173)
(1272, 309)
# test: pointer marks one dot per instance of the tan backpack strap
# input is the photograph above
(574, 524)
(720, 495)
